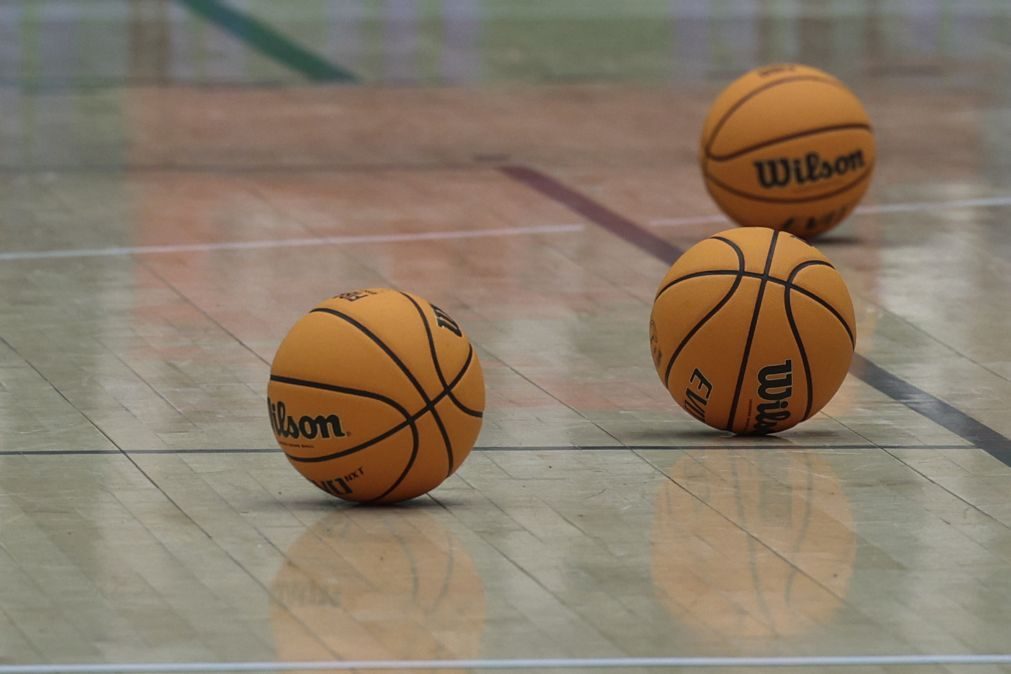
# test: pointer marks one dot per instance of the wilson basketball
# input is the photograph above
(787, 147)
(376, 395)
(752, 330)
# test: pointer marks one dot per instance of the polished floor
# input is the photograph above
(180, 180)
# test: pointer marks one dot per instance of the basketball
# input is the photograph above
(376, 395)
(752, 330)
(787, 147)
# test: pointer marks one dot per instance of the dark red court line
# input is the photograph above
(896, 388)
(595, 212)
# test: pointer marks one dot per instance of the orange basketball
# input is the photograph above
(376, 395)
(752, 330)
(787, 147)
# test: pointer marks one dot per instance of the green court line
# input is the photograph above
(268, 41)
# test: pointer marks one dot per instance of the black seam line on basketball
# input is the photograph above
(755, 92)
(791, 284)
(407, 469)
(435, 359)
(754, 197)
(778, 281)
(800, 347)
(751, 330)
(396, 359)
(698, 326)
(340, 389)
(414, 430)
(442, 381)
(409, 419)
(380, 343)
(710, 272)
(788, 304)
(788, 137)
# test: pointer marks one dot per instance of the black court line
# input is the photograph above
(729, 446)
(268, 41)
(935, 409)
(74, 453)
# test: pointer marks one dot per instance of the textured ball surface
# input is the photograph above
(787, 147)
(752, 330)
(376, 395)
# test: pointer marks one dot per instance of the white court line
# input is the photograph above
(698, 220)
(288, 243)
(531, 663)
(908, 207)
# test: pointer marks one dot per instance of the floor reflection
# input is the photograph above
(753, 544)
(377, 584)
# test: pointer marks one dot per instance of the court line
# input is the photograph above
(730, 446)
(595, 212)
(287, 243)
(901, 207)
(520, 663)
(935, 409)
(268, 41)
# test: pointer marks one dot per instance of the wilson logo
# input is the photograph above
(811, 168)
(775, 385)
(287, 426)
(696, 401)
(444, 321)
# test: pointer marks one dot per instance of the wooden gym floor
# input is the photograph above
(181, 179)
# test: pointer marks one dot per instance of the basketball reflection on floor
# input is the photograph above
(377, 584)
(753, 545)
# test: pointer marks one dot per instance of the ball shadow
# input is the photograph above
(834, 240)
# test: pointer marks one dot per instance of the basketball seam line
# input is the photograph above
(788, 306)
(755, 92)
(409, 418)
(441, 376)
(707, 317)
(396, 359)
(800, 200)
(341, 389)
(797, 331)
(435, 360)
(788, 137)
(415, 450)
(723, 272)
(414, 430)
(778, 281)
(751, 330)
(442, 380)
